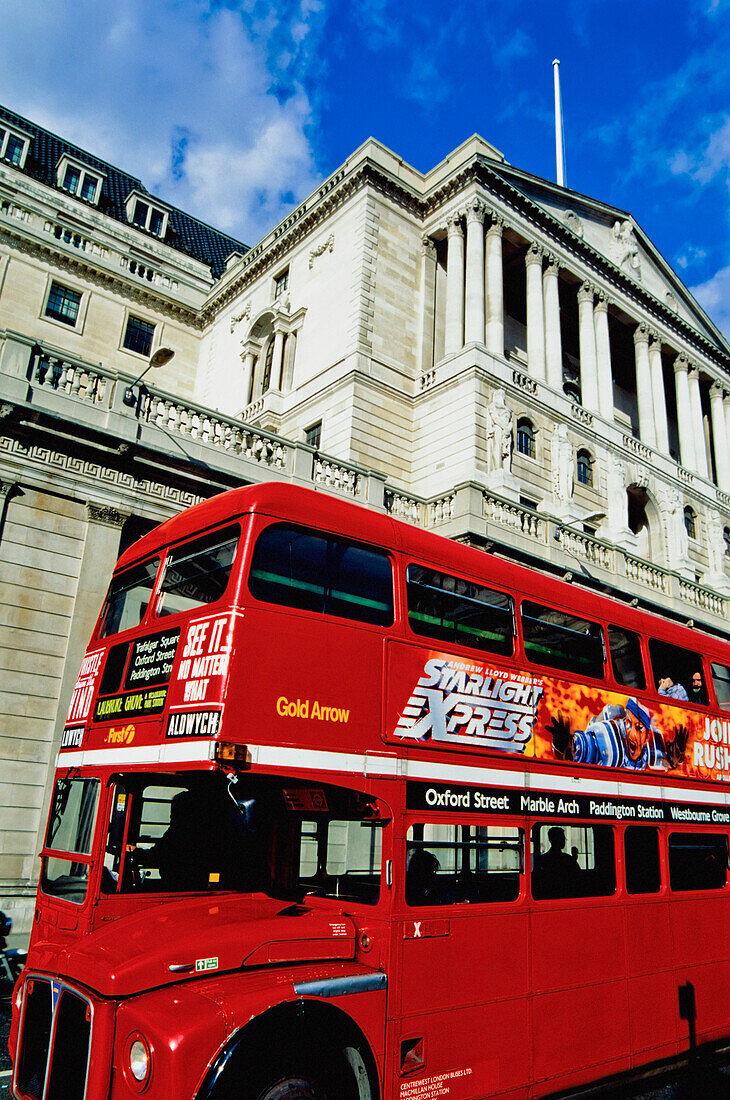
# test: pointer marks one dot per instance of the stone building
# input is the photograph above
(475, 350)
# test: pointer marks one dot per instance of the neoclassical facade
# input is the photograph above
(474, 350)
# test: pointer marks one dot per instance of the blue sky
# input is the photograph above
(235, 109)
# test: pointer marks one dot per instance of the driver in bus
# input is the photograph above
(619, 737)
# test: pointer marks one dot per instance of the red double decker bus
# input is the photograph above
(347, 811)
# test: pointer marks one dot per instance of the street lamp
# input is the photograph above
(159, 359)
(560, 527)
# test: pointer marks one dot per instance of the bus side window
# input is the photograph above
(721, 681)
(626, 661)
(673, 668)
(641, 860)
(197, 573)
(572, 861)
(459, 611)
(560, 640)
(698, 861)
(463, 864)
(295, 567)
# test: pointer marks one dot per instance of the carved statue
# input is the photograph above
(671, 504)
(715, 545)
(562, 464)
(617, 514)
(625, 249)
(499, 433)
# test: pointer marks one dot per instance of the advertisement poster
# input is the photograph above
(546, 718)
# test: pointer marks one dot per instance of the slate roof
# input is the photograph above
(184, 233)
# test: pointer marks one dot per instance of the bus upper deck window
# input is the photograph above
(628, 667)
(128, 598)
(316, 572)
(459, 611)
(560, 640)
(198, 572)
(674, 670)
(721, 680)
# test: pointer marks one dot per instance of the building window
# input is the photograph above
(138, 335)
(268, 361)
(585, 468)
(313, 435)
(281, 284)
(13, 147)
(142, 213)
(63, 304)
(726, 539)
(76, 179)
(690, 522)
(526, 438)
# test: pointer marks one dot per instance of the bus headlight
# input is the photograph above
(139, 1060)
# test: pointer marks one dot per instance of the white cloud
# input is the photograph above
(205, 103)
(714, 297)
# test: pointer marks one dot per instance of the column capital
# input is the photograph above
(453, 225)
(552, 264)
(428, 246)
(100, 513)
(497, 225)
(601, 303)
(641, 335)
(534, 254)
(694, 372)
(586, 292)
(717, 390)
(655, 340)
(681, 364)
(476, 210)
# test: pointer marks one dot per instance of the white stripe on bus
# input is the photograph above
(390, 766)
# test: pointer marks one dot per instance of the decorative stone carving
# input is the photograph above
(562, 464)
(625, 248)
(671, 506)
(428, 246)
(573, 222)
(105, 514)
(242, 316)
(499, 433)
(326, 246)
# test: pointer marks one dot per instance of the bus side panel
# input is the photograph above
(653, 1003)
(306, 680)
(463, 988)
(580, 1005)
(700, 933)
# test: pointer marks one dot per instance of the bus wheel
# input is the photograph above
(303, 1077)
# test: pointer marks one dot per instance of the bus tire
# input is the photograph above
(302, 1075)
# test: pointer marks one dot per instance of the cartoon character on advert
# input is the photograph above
(620, 737)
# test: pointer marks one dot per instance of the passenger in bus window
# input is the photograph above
(667, 686)
(697, 690)
(421, 874)
(619, 737)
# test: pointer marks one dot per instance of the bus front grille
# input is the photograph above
(55, 1033)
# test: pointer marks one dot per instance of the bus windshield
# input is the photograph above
(199, 832)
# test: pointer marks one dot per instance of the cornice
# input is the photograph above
(20, 243)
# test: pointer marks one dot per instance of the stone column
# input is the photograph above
(248, 362)
(726, 403)
(684, 416)
(604, 371)
(454, 335)
(553, 341)
(495, 289)
(535, 314)
(644, 395)
(474, 321)
(277, 360)
(719, 433)
(427, 304)
(587, 341)
(698, 427)
(658, 395)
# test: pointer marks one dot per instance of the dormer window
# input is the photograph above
(13, 146)
(145, 214)
(73, 176)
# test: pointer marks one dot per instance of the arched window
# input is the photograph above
(585, 468)
(690, 522)
(526, 437)
(268, 360)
